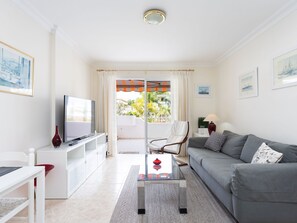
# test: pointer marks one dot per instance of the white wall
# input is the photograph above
(202, 106)
(272, 114)
(27, 121)
(203, 74)
(72, 77)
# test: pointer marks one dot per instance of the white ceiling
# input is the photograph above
(195, 31)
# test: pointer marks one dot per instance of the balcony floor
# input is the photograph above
(131, 146)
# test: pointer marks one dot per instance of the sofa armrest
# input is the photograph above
(265, 182)
(197, 142)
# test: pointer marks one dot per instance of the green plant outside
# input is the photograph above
(158, 107)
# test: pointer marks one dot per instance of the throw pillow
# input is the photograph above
(215, 141)
(266, 155)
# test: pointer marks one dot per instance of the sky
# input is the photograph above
(127, 95)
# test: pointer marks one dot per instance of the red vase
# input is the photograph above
(57, 139)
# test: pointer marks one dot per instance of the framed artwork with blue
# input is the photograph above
(203, 90)
(248, 84)
(285, 70)
(16, 71)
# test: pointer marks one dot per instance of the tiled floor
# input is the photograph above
(95, 200)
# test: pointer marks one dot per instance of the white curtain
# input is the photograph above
(104, 93)
(181, 88)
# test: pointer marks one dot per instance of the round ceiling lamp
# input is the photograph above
(154, 16)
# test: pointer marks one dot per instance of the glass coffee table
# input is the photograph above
(167, 172)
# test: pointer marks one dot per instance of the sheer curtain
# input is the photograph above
(104, 93)
(181, 88)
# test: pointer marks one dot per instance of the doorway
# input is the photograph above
(144, 112)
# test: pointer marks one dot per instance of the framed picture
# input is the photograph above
(16, 71)
(285, 70)
(202, 90)
(248, 84)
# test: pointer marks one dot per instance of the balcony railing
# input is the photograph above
(131, 133)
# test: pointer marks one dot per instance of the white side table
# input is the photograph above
(201, 133)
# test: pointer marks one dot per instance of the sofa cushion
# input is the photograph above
(197, 142)
(250, 147)
(200, 154)
(215, 141)
(220, 170)
(233, 144)
(289, 151)
(266, 155)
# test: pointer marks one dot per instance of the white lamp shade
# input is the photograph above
(211, 118)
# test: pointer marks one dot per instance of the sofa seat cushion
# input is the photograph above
(200, 154)
(221, 170)
(233, 144)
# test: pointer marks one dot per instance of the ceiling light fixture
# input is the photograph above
(154, 16)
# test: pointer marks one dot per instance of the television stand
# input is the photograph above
(73, 164)
(74, 142)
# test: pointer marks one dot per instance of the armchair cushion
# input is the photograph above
(178, 136)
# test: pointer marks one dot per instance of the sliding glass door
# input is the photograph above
(158, 109)
(143, 113)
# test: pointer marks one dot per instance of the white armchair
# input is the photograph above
(172, 144)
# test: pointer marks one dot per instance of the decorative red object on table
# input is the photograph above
(157, 167)
(157, 161)
(47, 168)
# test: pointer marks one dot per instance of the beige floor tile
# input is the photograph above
(95, 200)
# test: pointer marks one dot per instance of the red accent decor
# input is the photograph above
(47, 168)
(57, 139)
(157, 167)
(157, 161)
(211, 127)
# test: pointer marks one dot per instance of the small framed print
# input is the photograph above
(202, 90)
(285, 70)
(248, 84)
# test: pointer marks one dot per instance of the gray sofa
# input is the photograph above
(251, 192)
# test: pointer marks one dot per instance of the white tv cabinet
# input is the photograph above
(73, 164)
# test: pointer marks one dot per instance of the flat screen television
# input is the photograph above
(79, 118)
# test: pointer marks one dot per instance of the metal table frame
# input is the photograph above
(182, 201)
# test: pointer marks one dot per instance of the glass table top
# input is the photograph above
(167, 170)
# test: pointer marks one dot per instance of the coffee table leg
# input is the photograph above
(182, 202)
(141, 197)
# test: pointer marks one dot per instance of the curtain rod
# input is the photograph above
(102, 70)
